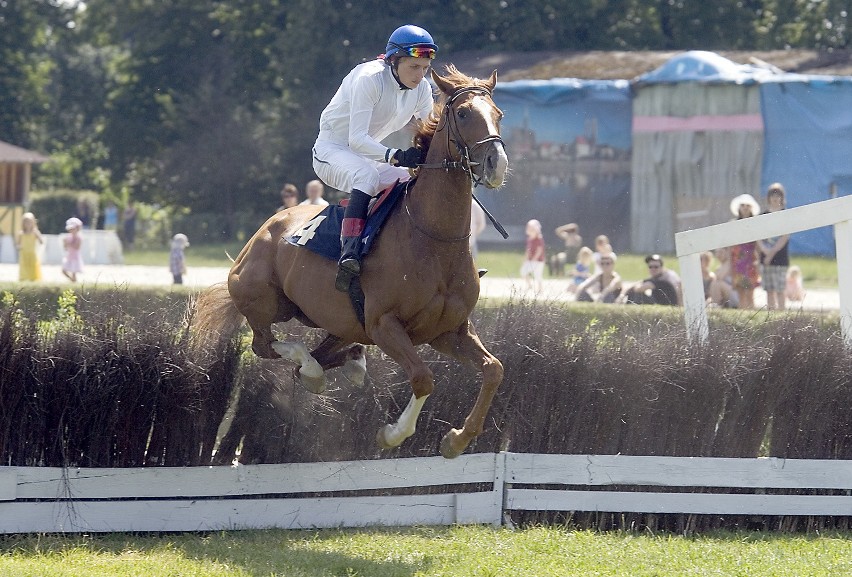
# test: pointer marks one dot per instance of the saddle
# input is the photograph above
(321, 234)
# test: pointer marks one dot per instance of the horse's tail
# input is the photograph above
(213, 318)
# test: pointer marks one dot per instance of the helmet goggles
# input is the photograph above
(417, 51)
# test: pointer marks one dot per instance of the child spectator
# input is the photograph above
(72, 262)
(795, 289)
(177, 262)
(602, 246)
(27, 241)
(582, 269)
(570, 234)
(774, 254)
(532, 268)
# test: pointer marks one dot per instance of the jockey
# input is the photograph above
(375, 99)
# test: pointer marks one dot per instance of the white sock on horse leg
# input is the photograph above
(406, 424)
(298, 352)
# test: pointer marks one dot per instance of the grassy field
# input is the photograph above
(426, 552)
(817, 272)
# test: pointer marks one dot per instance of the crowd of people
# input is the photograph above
(739, 271)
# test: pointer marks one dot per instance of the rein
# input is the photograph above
(422, 230)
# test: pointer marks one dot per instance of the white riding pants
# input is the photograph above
(340, 168)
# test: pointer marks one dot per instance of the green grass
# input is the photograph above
(817, 272)
(427, 552)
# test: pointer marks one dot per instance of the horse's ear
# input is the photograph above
(492, 80)
(442, 84)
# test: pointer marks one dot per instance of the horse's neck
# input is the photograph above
(442, 198)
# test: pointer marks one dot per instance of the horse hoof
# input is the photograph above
(448, 450)
(355, 371)
(315, 385)
(381, 438)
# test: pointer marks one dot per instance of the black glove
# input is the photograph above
(409, 158)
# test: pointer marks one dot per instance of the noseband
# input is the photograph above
(453, 136)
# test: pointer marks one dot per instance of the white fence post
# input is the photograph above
(691, 243)
(843, 242)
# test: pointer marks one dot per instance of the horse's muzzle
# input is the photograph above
(494, 165)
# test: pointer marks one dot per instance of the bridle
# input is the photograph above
(462, 148)
(454, 137)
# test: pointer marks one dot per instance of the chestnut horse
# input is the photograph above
(419, 279)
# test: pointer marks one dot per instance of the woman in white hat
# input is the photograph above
(72, 262)
(744, 257)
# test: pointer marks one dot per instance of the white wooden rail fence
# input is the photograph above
(478, 488)
(691, 243)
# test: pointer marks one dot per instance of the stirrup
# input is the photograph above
(346, 271)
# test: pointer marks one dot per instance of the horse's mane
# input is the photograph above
(426, 129)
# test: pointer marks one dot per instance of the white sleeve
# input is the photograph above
(365, 95)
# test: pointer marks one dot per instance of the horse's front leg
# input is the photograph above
(390, 336)
(465, 346)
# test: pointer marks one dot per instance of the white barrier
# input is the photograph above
(472, 489)
(690, 244)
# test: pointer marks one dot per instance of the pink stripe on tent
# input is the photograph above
(732, 122)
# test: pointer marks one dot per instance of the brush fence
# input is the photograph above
(475, 488)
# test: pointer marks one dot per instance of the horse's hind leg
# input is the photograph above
(309, 371)
(465, 346)
(262, 305)
(330, 353)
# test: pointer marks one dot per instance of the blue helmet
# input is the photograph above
(410, 40)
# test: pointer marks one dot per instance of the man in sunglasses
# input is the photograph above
(376, 99)
(662, 287)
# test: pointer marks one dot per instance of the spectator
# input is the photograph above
(128, 222)
(570, 235)
(795, 290)
(477, 225)
(110, 216)
(722, 293)
(532, 268)
(602, 246)
(582, 269)
(177, 262)
(661, 288)
(72, 262)
(314, 191)
(604, 286)
(774, 256)
(289, 197)
(744, 273)
(27, 241)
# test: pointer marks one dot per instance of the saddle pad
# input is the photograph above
(321, 234)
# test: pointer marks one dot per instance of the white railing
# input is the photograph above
(472, 489)
(690, 244)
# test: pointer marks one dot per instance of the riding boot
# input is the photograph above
(354, 218)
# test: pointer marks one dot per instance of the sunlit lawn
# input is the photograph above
(427, 552)
(817, 272)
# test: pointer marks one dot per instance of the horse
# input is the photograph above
(419, 280)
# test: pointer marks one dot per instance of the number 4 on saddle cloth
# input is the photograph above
(321, 234)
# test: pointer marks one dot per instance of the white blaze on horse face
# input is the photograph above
(494, 162)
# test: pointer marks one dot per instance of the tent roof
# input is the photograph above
(701, 66)
(12, 153)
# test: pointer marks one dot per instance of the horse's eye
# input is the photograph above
(462, 113)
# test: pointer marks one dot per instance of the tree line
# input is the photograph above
(211, 105)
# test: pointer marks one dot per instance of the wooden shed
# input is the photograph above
(15, 175)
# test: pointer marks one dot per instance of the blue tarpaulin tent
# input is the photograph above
(808, 146)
